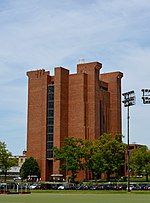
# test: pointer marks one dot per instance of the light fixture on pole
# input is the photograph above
(129, 100)
(146, 96)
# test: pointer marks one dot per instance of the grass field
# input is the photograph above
(76, 198)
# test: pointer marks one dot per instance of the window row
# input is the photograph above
(51, 97)
(50, 129)
(50, 113)
(50, 137)
(49, 145)
(51, 89)
(49, 153)
(50, 121)
(50, 104)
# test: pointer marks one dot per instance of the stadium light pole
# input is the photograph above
(146, 96)
(129, 100)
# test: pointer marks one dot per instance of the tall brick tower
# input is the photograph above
(81, 105)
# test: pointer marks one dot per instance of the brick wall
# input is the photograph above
(86, 104)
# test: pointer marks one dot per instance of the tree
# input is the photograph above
(96, 162)
(140, 161)
(105, 155)
(93, 159)
(5, 162)
(30, 167)
(113, 151)
(70, 156)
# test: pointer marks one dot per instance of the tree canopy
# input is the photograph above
(93, 159)
(112, 151)
(5, 162)
(104, 155)
(30, 167)
(70, 156)
(140, 161)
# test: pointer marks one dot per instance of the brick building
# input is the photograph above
(81, 105)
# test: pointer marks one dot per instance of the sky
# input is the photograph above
(37, 34)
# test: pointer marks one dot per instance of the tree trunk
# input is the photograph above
(108, 176)
(146, 177)
(93, 175)
(73, 176)
(5, 177)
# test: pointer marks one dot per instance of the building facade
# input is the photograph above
(81, 105)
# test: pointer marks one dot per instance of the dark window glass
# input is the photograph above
(51, 97)
(49, 153)
(50, 129)
(49, 145)
(131, 147)
(51, 105)
(50, 113)
(51, 89)
(50, 121)
(50, 137)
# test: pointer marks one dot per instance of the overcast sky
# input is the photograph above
(45, 34)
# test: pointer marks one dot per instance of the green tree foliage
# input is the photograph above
(5, 162)
(92, 157)
(30, 167)
(140, 161)
(70, 156)
(112, 151)
(105, 155)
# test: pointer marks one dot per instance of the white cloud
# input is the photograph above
(45, 34)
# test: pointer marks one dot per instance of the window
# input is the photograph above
(49, 137)
(49, 129)
(49, 153)
(50, 113)
(51, 105)
(49, 145)
(50, 121)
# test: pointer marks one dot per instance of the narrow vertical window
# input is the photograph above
(50, 121)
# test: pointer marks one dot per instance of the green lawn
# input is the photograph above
(76, 198)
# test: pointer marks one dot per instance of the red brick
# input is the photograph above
(86, 104)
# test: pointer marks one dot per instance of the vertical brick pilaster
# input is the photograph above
(37, 111)
(61, 81)
(93, 97)
(114, 87)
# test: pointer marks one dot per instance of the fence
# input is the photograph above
(14, 188)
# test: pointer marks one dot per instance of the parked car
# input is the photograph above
(133, 187)
(82, 187)
(120, 187)
(61, 187)
(108, 187)
(17, 178)
(34, 186)
(147, 187)
(142, 186)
